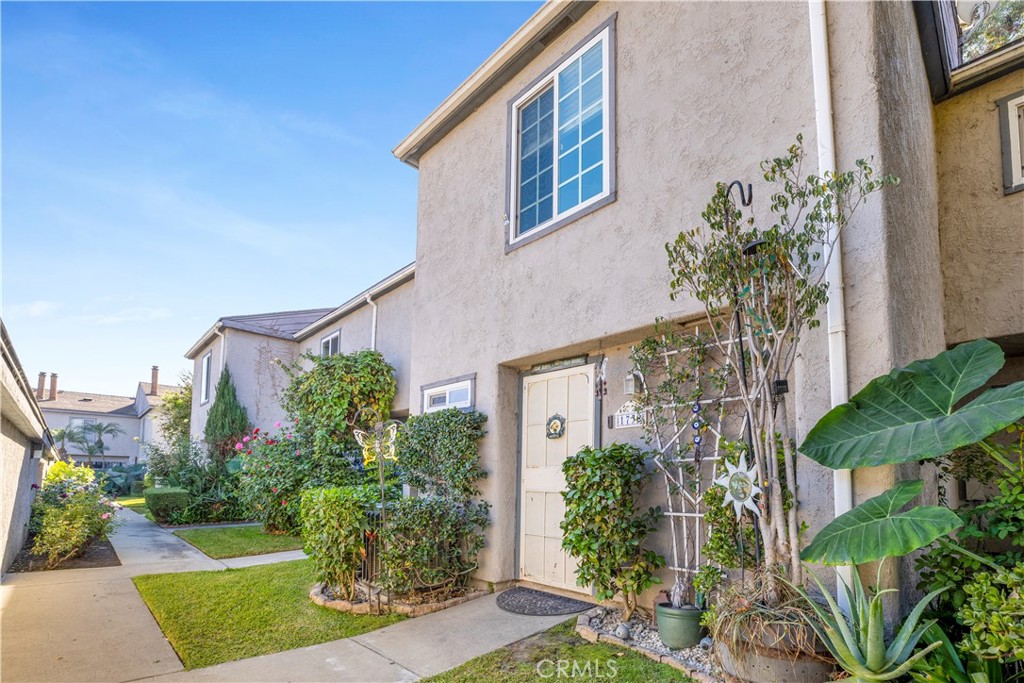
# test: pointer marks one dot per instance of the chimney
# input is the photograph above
(41, 386)
(156, 380)
(53, 386)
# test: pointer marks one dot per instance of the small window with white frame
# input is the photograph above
(561, 142)
(1011, 128)
(454, 395)
(207, 368)
(331, 344)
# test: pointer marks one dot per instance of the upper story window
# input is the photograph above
(561, 141)
(454, 395)
(331, 344)
(1011, 128)
(207, 367)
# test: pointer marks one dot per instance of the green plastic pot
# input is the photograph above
(679, 627)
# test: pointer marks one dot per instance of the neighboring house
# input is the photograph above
(551, 179)
(25, 448)
(137, 417)
(250, 346)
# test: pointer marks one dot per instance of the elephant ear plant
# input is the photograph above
(909, 415)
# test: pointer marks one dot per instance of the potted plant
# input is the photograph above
(680, 619)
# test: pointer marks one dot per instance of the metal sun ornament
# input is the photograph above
(740, 485)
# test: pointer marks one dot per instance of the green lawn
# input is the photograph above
(137, 504)
(537, 659)
(238, 541)
(214, 617)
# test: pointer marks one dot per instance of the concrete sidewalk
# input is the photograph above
(402, 652)
(91, 625)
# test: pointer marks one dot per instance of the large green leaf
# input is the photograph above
(909, 414)
(874, 529)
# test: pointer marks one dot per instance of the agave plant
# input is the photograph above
(859, 644)
(945, 665)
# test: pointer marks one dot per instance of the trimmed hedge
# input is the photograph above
(138, 487)
(163, 501)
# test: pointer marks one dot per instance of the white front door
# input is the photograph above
(568, 396)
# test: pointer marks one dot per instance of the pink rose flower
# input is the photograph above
(105, 515)
(246, 439)
(238, 446)
(277, 425)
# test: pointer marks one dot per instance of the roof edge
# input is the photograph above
(391, 282)
(554, 17)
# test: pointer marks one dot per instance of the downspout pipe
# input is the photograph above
(223, 350)
(373, 322)
(835, 310)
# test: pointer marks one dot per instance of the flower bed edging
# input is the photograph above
(589, 634)
(366, 607)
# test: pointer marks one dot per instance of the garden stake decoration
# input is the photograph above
(378, 446)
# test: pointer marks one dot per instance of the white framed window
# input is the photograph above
(331, 344)
(561, 143)
(207, 368)
(77, 423)
(1011, 128)
(454, 395)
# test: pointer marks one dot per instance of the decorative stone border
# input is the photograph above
(589, 634)
(407, 609)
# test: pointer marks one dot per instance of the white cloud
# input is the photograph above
(32, 309)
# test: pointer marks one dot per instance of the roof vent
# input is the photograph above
(87, 400)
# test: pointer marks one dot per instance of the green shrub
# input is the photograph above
(333, 523)
(994, 615)
(602, 527)
(147, 481)
(212, 483)
(227, 421)
(138, 487)
(275, 470)
(439, 452)
(69, 513)
(164, 501)
(430, 544)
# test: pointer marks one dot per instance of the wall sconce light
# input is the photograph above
(37, 450)
(629, 383)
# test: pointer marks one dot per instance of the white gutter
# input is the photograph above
(842, 480)
(373, 322)
(223, 350)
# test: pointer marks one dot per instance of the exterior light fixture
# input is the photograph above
(629, 384)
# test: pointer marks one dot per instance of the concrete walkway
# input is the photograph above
(91, 625)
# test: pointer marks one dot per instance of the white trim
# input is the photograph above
(1015, 110)
(336, 335)
(446, 391)
(205, 370)
(551, 80)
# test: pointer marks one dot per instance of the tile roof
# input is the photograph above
(83, 402)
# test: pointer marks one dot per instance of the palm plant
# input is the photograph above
(89, 437)
(62, 435)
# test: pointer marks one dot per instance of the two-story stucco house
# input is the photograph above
(551, 179)
(137, 416)
(250, 346)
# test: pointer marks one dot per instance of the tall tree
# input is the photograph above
(89, 437)
(175, 414)
(62, 435)
(227, 421)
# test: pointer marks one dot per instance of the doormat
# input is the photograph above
(538, 603)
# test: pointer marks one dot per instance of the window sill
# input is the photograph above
(535, 235)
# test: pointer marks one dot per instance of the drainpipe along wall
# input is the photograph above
(842, 480)
(373, 323)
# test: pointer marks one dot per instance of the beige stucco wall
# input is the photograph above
(981, 229)
(19, 426)
(394, 336)
(120, 449)
(693, 108)
(258, 378)
(684, 122)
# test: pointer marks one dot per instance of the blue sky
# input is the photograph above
(165, 164)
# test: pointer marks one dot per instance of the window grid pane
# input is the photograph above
(536, 138)
(580, 144)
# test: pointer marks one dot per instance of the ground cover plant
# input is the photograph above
(238, 541)
(538, 658)
(214, 617)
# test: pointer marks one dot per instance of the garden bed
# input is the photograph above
(325, 598)
(98, 554)
(600, 623)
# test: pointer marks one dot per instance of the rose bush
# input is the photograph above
(275, 470)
